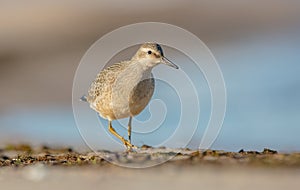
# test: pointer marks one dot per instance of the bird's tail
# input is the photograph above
(83, 98)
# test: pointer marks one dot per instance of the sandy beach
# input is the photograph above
(22, 167)
(167, 177)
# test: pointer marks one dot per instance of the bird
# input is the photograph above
(124, 89)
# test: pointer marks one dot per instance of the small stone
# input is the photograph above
(269, 151)
(145, 146)
(4, 157)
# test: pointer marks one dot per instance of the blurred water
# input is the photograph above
(263, 94)
(263, 108)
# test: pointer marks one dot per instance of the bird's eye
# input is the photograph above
(149, 52)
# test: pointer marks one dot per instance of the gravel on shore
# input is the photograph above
(25, 155)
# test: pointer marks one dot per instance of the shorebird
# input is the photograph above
(124, 89)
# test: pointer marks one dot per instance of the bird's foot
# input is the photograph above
(128, 145)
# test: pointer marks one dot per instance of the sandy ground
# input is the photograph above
(24, 168)
(166, 177)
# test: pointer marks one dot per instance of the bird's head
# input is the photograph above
(151, 54)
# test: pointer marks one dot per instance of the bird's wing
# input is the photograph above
(105, 79)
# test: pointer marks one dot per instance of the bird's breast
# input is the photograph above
(131, 92)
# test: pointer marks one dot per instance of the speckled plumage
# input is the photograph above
(124, 89)
(105, 95)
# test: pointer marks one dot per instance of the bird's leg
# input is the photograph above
(129, 129)
(125, 142)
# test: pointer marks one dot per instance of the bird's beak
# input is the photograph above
(166, 61)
